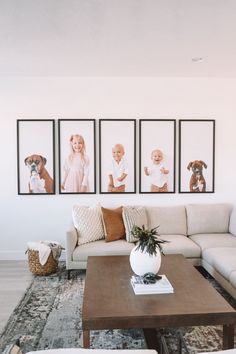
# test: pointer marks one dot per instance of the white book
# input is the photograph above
(162, 283)
(152, 292)
(162, 286)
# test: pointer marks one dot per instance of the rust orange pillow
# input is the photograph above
(114, 228)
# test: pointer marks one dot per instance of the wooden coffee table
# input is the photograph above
(109, 301)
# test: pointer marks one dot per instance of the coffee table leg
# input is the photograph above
(150, 335)
(86, 339)
(228, 336)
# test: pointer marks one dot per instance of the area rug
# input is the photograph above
(49, 316)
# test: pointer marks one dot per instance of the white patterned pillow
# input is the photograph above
(88, 223)
(133, 215)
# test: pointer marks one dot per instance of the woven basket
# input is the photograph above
(37, 268)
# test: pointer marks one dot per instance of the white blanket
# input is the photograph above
(44, 248)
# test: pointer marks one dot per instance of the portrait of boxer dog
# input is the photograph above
(197, 181)
(40, 180)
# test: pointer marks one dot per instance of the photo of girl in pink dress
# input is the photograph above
(76, 167)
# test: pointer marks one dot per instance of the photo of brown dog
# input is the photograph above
(40, 180)
(197, 181)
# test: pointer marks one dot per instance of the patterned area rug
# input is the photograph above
(49, 316)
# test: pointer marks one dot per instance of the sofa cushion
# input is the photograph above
(88, 223)
(171, 220)
(102, 248)
(232, 222)
(113, 224)
(133, 215)
(223, 259)
(208, 218)
(214, 240)
(180, 244)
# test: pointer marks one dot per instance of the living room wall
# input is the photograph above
(47, 217)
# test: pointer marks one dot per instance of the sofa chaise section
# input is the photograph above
(217, 243)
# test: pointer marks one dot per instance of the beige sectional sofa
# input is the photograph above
(204, 233)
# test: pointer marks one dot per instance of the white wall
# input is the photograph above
(29, 218)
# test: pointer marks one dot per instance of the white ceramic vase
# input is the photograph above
(142, 262)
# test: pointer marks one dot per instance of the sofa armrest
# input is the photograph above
(71, 242)
(232, 222)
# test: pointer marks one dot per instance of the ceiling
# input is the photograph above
(187, 38)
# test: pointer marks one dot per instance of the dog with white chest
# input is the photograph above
(197, 181)
(40, 180)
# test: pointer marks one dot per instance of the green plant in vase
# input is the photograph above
(148, 240)
(145, 257)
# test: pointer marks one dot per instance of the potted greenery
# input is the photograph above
(145, 257)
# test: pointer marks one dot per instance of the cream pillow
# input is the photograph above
(88, 223)
(133, 215)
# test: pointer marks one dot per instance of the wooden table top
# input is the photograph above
(109, 300)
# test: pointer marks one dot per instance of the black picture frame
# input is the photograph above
(196, 156)
(118, 134)
(77, 174)
(36, 156)
(157, 155)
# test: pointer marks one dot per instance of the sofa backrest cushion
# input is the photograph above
(208, 218)
(232, 222)
(171, 220)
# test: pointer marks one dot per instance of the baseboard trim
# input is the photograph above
(13, 256)
(19, 256)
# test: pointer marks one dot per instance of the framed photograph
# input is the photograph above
(196, 156)
(117, 143)
(77, 165)
(36, 156)
(157, 139)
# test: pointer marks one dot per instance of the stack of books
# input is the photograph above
(162, 286)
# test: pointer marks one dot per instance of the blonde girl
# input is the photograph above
(76, 167)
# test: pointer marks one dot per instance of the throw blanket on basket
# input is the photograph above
(44, 248)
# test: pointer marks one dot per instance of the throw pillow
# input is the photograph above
(113, 224)
(133, 215)
(88, 223)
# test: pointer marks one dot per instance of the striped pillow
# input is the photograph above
(133, 215)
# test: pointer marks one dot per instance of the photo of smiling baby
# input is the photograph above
(157, 172)
(157, 156)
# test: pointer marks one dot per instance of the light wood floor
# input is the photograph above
(14, 280)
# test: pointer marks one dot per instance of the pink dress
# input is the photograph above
(78, 173)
